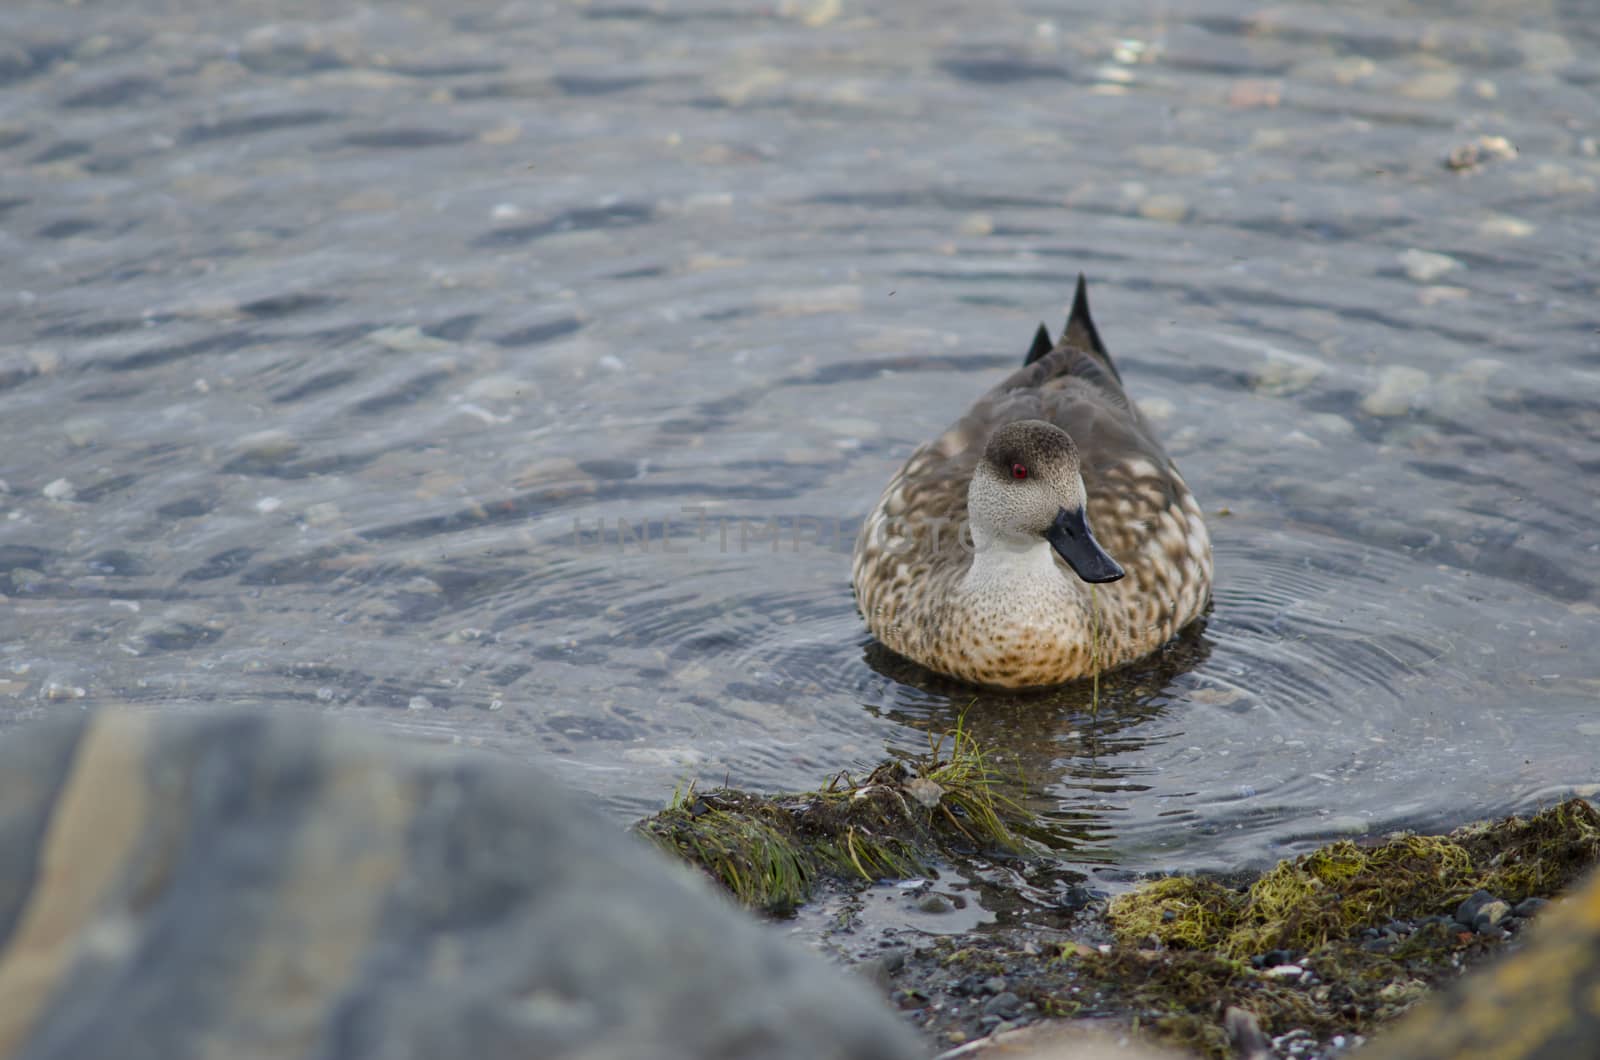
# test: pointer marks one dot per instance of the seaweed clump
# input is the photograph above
(1337, 941)
(772, 851)
(1335, 890)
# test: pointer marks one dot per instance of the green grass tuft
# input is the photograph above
(770, 852)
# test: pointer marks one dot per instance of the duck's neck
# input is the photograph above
(1011, 567)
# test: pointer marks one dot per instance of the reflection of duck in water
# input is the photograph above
(1034, 596)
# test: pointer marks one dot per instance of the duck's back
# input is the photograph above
(909, 560)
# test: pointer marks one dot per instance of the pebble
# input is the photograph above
(1286, 971)
(1425, 266)
(1249, 94)
(1500, 226)
(995, 984)
(926, 792)
(323, 513)
(1475, 153)
(934, 903)
(1398, 386)
(1381, 944)
(1164, 207)
(1004, 1005)
(1467, 911)
(1176, 160)
(408, 339)
(60, 490)
(977, 224)
(268, 445)
(1244, 1031)
(1490, 915)
(1530, 906)
(1432, 86)
(83, 430)
(881, 969)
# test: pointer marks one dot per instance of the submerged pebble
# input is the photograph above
(1425, 266)
(1397, 390)
(60, 490)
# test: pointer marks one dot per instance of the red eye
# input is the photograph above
(1019, 471)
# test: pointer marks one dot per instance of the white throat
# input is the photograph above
(1015, 566)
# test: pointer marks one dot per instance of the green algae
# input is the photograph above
(1315, 906)
(1334, 891)
(772, 851)
(1180, 956)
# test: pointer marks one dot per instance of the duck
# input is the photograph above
(1043, 538)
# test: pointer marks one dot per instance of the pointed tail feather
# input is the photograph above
(1082, 333)
(1041, 345)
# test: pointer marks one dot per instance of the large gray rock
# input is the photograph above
(251, 886)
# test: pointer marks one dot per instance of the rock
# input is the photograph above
(1534, 1004)
(1531, 907)
(995, 984)
(1005, 1005)
(1489, 915)
(881, 969)
(1381, 944)
(1249, 1042)
(294, 887)
(934, 903)
(1468, 909)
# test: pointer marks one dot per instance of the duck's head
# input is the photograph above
(1028, 487)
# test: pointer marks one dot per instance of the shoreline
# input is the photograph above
(1307, 959)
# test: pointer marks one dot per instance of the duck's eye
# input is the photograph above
(1019, 471)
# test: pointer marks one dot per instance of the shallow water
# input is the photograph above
(340, 341)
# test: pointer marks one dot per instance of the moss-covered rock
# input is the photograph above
(1331, 892)
(771, 851)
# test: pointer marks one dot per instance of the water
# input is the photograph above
(340, 341)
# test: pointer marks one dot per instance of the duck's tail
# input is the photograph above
(1042, 344)
(1080, 334)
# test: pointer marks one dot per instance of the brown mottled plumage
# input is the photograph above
(1010, 612)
